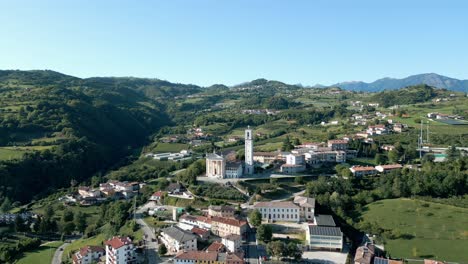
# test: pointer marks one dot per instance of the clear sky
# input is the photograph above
(219, 41)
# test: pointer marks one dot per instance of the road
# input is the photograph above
(250, 249)
(151, 241)
(57, 259)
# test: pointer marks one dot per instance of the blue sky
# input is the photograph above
(219, 41)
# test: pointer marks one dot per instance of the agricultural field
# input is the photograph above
(9, 153)
(43, 254)
(170, 147)
(426, 229)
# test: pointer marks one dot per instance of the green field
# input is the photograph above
(427, 230)
(43, 254)
(7, 153)
(170, 147)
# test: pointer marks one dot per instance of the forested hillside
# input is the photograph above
(409, 95)
(78, 126)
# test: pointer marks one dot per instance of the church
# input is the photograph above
(218, 167)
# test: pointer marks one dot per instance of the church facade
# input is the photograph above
(218, 167)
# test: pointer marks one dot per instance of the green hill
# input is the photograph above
(88, 124)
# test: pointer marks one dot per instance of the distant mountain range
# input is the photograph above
(431, 79)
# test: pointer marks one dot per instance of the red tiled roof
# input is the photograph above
(198, 255)
(84, 250)
(363, 168)
(228, 221)
(391, 166)
(215, 247)
(199, 231)
(430, 261)
(118, 242)
(158, 193)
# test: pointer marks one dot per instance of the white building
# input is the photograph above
(249, 162)
(232, 242)
(307, 207)
(120, 250)
(215, 166)
(233, 170)
(176, 239)
(324, 237)
(279, 211)
(388, 167)
(88, 255)
(360, 171)
(294, 164)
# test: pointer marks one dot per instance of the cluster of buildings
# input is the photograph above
(221, 222)
(360, 171)
(313, 154)
(118, 250)
(217, 166)
(321, 232)
(8, 218)
(110, 190)
(260, 112)
(444, 116)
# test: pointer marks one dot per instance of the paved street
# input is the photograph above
(57, 259)
(150, 237)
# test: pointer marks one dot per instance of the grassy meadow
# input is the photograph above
(428, 230)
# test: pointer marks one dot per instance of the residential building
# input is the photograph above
(233, 170)
(200, 232)
(120, 250)
(203, 257)
(365, 254)
(232, 242)
(360, 171)
(177, 239)
(307, 207)
(325, 237)
(265, 157)
(222, 226)
(292, 168)
(295, 159)
(221, 211)
(388, 167)
(175, 188)
(86, 192)
(216, 246)
(338, 144)
(430, 261)
(379, 260)
(88, 255)
(157, 196)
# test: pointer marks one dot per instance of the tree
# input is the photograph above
(452, 153)
(80, 222)
(20, 225)
(276, 248)
(273, 181)
(299, 180)
(287, 146)
(48, 212)
(380, 159)
(294, 251)
(393, 156)
(162, 250)
(255, 218)
(6, 205)
(67, 216)
(264, 233)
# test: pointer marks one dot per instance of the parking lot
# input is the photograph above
(325, 257)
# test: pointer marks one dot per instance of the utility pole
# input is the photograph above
(427, 132)
(420, 143)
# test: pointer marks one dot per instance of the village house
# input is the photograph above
(216, 246)
(232, 242)
(365, 254)
(221, 211)
(120, 250)
(202, 233)
(203, 257)
(278, 211)
(388, 167)
(157, 196)
(88, 255)
(176, 239)
(360, 171)
(222, 226)
(307, 207)
(338, 144)
(265, 157)
(85, 192)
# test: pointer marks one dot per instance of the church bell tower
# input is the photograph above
(249, 163)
